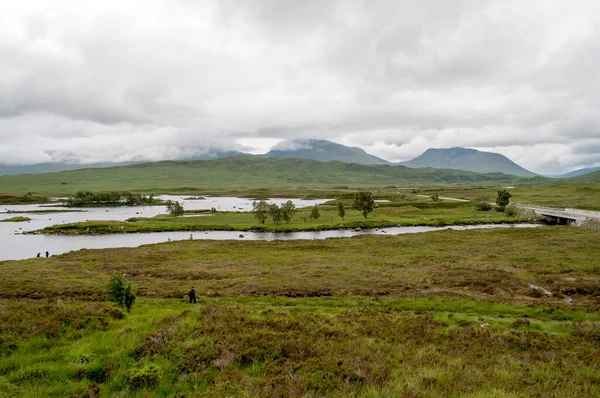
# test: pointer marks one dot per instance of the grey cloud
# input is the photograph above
(161, 80)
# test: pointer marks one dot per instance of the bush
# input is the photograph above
(314, 213)
(144, 376)
(120, 292)
(482, 204)
(175, 208)
(511, 211)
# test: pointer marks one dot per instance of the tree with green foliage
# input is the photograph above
(175, 208)
(435, 197)
(275, 213)
(503, 199)
(120, 292)
(363, 202)
(260, 210)
(341, 210)
(114, 198)
(314, 213)
(288, 210)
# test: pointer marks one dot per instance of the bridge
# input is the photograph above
(563, 216)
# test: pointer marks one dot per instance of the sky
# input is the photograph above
(152, 80)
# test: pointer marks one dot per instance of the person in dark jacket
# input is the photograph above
(192, 295)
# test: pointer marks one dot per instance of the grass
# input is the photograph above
(264, 347)
(16, 219)
(499, 265)
(22, 199)
(584, 196)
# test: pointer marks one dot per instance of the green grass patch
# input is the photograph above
(16, 219)
(287, 347)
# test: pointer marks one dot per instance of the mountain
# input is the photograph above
(467, 159)
(247, 172)
(53, 167)
(41, 168)
(322, 151)
(215, 155)
(576, 173)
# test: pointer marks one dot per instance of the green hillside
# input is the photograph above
(586, 178)
(247, 172)
(468, 159)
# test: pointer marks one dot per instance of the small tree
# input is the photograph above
(275, 213)
(260, 210)
(435, 197)
(363, 202)
(503, 199)
(120, 292)
(175, 208)
(288, 210)
(314, 213)
(341, 210)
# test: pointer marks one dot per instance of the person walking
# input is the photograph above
(47, 254)
(192, 295)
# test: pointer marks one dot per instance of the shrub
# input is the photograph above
(341, 210)
(120, 292)
(144, 376)
(482, 204)
(314, 213)
(175, 208)
(511, 211)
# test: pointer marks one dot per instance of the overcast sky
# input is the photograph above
(151, 80)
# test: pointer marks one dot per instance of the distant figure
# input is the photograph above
(192, 295)
(39, 255)
(47, 254)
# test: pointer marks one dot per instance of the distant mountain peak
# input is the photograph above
(576, 173)
(468, 159)
(322, 150)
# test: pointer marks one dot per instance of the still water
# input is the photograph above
(16, 246)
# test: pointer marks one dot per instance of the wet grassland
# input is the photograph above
(405, 210)
(507, 313)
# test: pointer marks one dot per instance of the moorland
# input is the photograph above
(507, 312)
